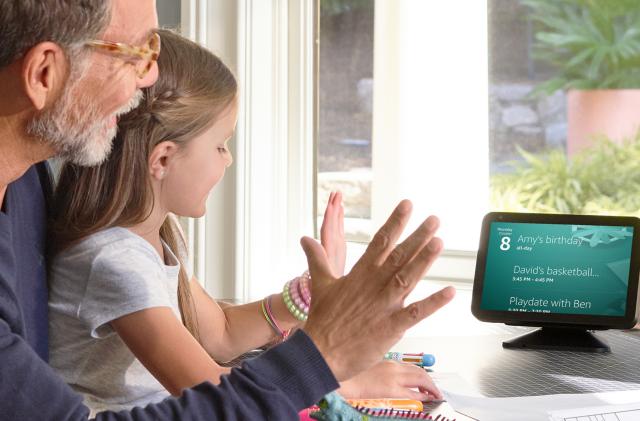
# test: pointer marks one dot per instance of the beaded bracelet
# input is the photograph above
(305, 288)
(295, 296)
(289, 303)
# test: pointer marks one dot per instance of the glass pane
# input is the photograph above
(430, 111)
(564, 106)
(345, 110)
(168, 13)
(559, 134)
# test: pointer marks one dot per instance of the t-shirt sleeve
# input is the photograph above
(124, 278)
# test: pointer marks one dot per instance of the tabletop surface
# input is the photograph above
(498, 372)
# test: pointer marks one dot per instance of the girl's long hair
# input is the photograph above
(193, 88)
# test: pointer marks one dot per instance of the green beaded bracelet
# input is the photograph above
(290, 305)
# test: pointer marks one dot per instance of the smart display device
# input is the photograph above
(568, 274)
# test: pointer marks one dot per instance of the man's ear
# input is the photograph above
(160, 159)
(44, 71)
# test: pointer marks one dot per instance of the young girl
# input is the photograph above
(129, 324)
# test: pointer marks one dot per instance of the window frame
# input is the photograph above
(247, 244)
(275, 170)
(269, 44)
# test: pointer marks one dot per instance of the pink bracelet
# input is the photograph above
(282, 332)
(266, 305)
(295, 296)
(299, 294)
(263, 308)
(304, 287)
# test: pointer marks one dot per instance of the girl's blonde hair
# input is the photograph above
(193, 88)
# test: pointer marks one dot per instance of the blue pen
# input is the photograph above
(421, 359)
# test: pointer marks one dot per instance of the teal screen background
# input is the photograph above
(556, 268)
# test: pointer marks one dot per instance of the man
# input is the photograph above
(67, 69)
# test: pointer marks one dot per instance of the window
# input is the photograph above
(470, 106)
(168, 13)
(431, 101)
(419, 79)
(564, 105)
(213, 238)
(345, 98)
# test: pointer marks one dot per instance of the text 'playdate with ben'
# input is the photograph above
(557, 268)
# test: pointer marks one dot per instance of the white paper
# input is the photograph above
(469, 402)
(455, 383)
(629, 412)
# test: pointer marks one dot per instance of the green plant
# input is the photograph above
(593, 44)
(604, 179)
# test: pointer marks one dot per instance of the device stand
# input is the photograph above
(558, 339)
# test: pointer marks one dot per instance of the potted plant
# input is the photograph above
(603, 180)
(594, 46)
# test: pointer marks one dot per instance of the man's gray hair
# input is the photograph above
(68, 23)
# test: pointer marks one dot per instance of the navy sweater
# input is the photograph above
(274, 386)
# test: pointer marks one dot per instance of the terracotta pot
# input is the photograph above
(614, 113)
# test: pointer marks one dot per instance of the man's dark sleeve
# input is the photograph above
(274, 386)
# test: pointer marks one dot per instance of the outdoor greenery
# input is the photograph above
(604, 179)
(593, 44)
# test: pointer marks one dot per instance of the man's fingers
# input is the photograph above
(408, 316)
(408, 249)
(384, 240)
(316, 258)
(405, 279)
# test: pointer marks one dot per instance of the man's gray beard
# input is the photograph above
(74, 128)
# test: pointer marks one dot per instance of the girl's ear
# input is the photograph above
(161, 156)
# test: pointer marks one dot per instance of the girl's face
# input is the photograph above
(199, 166)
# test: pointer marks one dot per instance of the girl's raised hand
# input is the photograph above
(332, 234)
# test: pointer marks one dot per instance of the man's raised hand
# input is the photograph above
(354, 320)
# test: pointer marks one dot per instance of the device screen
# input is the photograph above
(557, 268)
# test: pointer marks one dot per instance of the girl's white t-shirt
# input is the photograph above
(107, 275)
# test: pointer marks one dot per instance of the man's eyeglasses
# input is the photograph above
(144, 56)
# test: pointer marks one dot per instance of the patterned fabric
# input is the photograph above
(333, 408)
